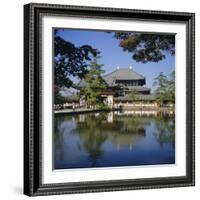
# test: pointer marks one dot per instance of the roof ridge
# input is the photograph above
(110, 73)
(124, 68)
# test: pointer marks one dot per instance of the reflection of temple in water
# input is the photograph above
(144, 113)
(124, 140)
(90, 136)
(115, 126)
(124, 129)
(136, 113)
(82, 118)
(110, 116)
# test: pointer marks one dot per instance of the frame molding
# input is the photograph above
(32, 97)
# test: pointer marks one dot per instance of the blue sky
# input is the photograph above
(112, 55)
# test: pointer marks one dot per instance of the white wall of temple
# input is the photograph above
(110, 100)
(135, 104)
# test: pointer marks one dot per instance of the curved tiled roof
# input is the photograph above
(122, 74)
(119, 74)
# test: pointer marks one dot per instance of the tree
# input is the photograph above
(165, 130)
(165, 88)
(171, 84)
(70, 60)
(146, 47)
(133, 94)
(161, 90)
(58, 98)
(92, 136)
(94, 84)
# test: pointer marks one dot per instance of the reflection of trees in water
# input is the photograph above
(131, 124)
(59, 129)
(63, 126)
(165, 130)
(127, 130)
(95, 130)
(92, 136)
(58, 137)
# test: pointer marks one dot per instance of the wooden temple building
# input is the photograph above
(128, 80)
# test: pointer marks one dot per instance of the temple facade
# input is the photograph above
(123, 82)
(126, 79)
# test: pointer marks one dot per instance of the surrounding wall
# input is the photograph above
(11, 101)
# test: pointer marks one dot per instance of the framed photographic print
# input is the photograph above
(108, 99)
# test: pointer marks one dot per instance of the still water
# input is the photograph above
(110, 139)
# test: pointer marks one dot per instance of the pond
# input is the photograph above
(108, 139)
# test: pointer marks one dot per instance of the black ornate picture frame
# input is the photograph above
(33, 93)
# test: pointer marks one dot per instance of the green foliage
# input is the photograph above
(94, 84)
(165, 126)
(165, 88)
(102, 106)
(92, 136)
(70, 61)
(58, 98)
(133, 94)
(146, 47)
(171, 85)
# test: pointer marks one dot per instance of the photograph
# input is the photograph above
(109, 99)
(113, 98)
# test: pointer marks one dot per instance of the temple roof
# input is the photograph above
(122, 74)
